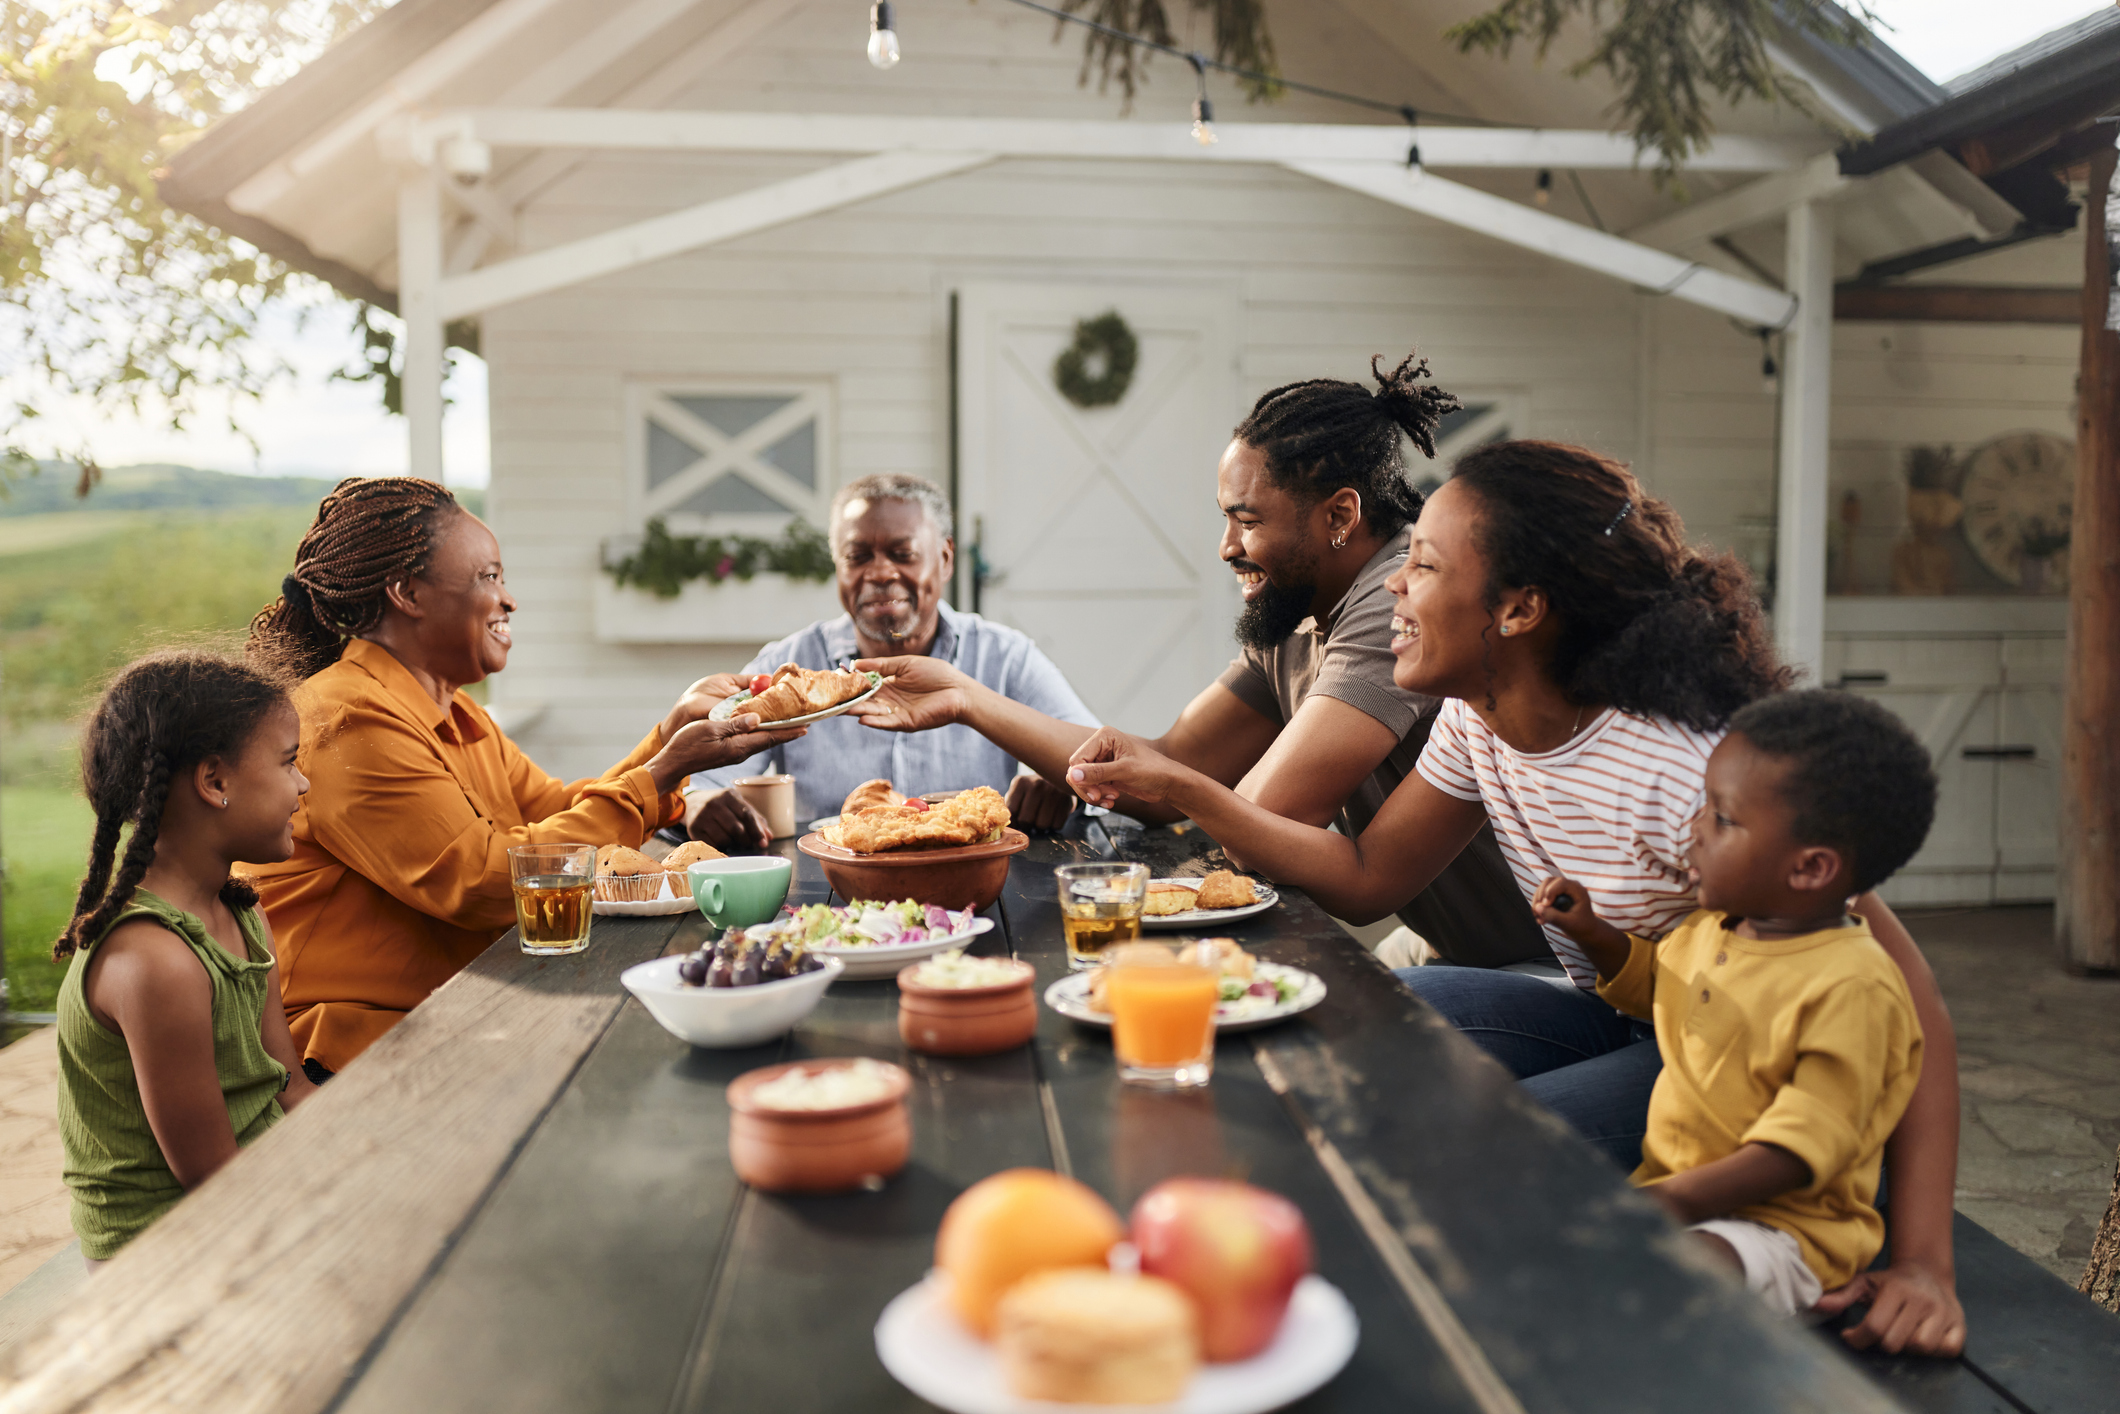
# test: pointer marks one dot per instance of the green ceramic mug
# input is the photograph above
(742, 891)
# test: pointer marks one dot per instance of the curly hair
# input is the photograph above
(370, 533)
(1325, 433)
(159, 717)
(1859, 781)
(1649, 624)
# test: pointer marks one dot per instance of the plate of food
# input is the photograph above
(630, 883)
(796, 697)
(1221, 897)
(1254, 993)
(874, 939)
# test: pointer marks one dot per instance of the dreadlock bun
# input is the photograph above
(1649, 623)
(370, 533)
(1326, 433)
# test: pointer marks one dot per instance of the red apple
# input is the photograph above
(1238, 1251)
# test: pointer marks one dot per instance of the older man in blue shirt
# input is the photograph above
(892, 541)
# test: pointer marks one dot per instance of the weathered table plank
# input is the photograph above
(266, 1288)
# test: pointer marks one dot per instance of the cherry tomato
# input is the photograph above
(916, 802)
(760, 683)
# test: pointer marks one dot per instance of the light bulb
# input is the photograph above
(883, 36)
(1543, 192)
(1203, 124)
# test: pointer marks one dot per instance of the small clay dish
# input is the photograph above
(818, 1151)
(966, 1021)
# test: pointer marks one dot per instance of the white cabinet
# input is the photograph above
(1979, 681)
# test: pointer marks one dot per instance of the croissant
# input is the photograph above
(868, 795)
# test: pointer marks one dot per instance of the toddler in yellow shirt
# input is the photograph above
(1790, 1045)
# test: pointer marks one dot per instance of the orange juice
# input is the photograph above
(1163, 1021)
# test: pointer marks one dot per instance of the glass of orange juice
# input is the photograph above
(1163, 1016)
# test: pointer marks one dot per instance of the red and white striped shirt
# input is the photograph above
(1613, 810)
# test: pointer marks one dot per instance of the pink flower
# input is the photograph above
(725, 568)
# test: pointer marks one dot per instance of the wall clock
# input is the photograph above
(2018, 490)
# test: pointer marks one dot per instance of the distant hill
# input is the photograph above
(160, 486)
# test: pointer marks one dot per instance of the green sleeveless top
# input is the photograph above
(120, 1180)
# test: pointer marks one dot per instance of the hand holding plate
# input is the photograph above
(918, 694)
(703, 745)
(699, 699)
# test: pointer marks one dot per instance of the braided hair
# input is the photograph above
(1649, 623)
(1325, 433)
(370, 533)
(159, 717)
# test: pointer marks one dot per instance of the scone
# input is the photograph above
(679, 860)
(1083, 1335)
(1223, 955)
(1166, 899)
(1223, 889)
(625, 875)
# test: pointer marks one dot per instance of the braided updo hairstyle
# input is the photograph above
(159, 717)
(370, 533)
(1325, 433)
(1649, 623)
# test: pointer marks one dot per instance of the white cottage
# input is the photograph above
(720, 264)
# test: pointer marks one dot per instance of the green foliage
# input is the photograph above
(49, 488)
(1668, 58)
(382, 359)
(663, 563)
(104, 290)
(1242, 39)
(44, 832)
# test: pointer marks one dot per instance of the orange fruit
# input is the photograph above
(1019, 1221)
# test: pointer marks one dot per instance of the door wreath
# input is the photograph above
(1109, 337)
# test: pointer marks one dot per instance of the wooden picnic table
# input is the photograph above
(520, 1200)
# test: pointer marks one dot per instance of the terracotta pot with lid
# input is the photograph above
(967, 1021)
(825, 1150)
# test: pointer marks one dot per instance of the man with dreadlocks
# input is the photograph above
(399, 875)
(1307, 722)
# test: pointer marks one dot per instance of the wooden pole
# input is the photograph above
(2087, 894)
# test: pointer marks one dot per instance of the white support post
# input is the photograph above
(420, 307)
(1806, 426)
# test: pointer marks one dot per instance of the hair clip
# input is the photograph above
(1624, 509)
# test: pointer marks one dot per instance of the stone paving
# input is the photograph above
(34, 1220)
(2039, 1078)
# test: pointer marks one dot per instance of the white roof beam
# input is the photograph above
(695, 227)
(1475, 210)
(583, 129)
(1748, 205)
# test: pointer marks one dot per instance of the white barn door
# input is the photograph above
(1098, 526)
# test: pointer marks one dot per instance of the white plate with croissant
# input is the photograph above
(800, 696)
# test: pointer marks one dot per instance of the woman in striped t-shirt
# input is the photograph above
(1592, 659)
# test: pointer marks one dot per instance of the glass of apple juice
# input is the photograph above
(553, 903)
(1163, 1016)
(1100, 905)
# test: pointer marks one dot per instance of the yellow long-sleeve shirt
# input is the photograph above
(400, 868)
(1807, 1043)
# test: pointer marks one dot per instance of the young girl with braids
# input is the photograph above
(173, 1049)
(1591, 661)
(399, 875)
(1307, 721)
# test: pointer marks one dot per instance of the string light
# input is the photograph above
(883, 35)
(1769, 375)
(1542, 194)
(1203, 127)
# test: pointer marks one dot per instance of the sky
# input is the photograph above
(311, 425)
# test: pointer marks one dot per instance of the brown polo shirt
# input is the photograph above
(1473, 913)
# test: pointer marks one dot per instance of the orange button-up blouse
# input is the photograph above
(400, 869)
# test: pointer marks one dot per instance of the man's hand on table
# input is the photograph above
(726, 820)
(1912, 1310)
(924, 693)
(1034, 803)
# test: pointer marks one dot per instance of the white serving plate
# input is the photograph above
(926, 1349)
(1197, 918)
(725, 1017)
(866, 964)
(668, 902)
(1070, 997)
(732, 706)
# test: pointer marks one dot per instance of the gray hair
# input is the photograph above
(894, 486)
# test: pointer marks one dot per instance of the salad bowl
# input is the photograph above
(967, 876)
(872, 940)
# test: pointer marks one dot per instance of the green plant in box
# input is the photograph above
(664, 563)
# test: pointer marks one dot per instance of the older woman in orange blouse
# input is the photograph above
(400, 870)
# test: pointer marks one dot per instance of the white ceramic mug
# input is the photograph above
(772, 797)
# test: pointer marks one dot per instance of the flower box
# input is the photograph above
(755, 610)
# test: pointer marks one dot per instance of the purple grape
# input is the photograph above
(692, 969)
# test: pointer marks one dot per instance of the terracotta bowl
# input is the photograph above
(817, 1151)
(966, 1021)
(969, 876)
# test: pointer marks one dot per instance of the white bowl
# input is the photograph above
(723, 1018)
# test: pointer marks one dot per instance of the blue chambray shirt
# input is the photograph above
(839, 754)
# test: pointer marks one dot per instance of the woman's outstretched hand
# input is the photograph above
(703, 745)
(922, 693)
(699, 699)
(1112, 764)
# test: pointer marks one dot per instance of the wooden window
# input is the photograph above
(709, 458)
